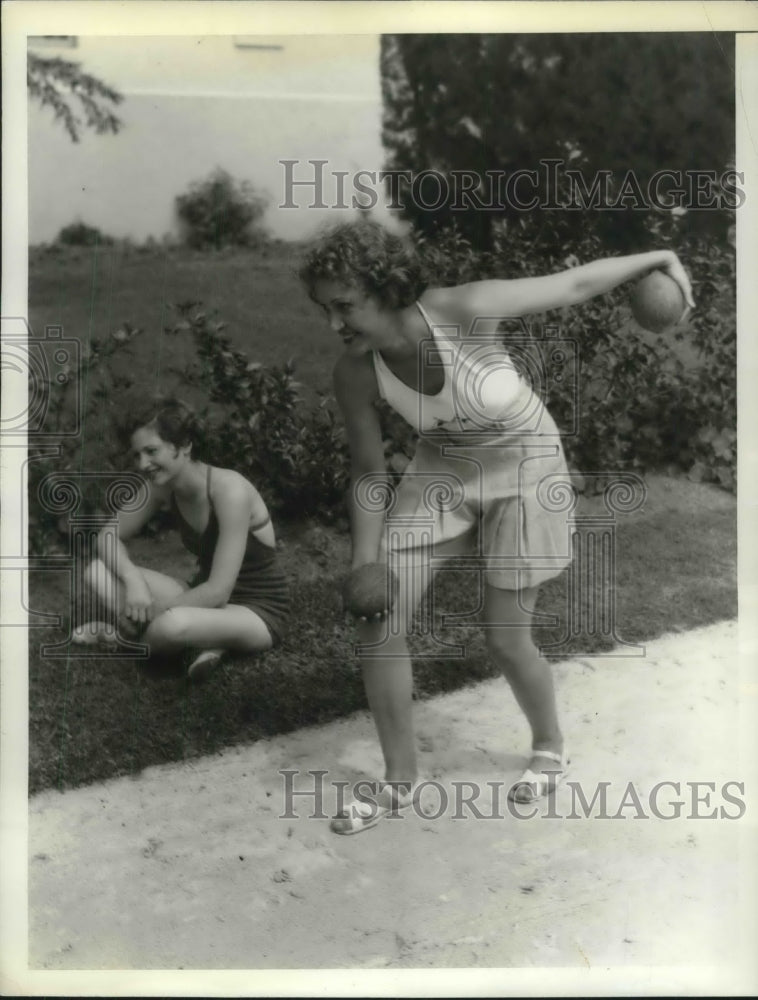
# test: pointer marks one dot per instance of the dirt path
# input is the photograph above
(189, 866)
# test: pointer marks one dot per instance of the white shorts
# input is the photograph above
(505, 511)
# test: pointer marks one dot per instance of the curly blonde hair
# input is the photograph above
(366, 254)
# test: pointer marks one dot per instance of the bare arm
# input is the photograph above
(232, 502)
(137, 596)
(523, 296)
(356, 391)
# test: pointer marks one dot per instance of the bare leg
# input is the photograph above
(231, 627)
(388, 680)
(217, 629)
(508, 617)
(387, 670)
(110, 592)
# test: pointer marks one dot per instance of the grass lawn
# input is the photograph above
(91, 292)
(93, 719)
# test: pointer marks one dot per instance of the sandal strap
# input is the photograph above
(361, 810)
(357, 810)
(401, 798)
(535, 777)
(539, 783)
(550, 754)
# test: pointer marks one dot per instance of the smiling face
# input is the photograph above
(159, 460)
(362, 323)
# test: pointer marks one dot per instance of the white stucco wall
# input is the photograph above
(195, 103)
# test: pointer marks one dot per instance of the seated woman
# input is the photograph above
(238, 599)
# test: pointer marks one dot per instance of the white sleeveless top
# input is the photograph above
(485, 440)
(482, 389)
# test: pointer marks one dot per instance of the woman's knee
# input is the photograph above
(510, 647)
(378, 642)
(172, 628)
(95, 574)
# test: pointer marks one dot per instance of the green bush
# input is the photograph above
(220, 212)
(259, 426)
(79, 234)
(633, 400)
(712, 409)
(652, 401)
(100, 382)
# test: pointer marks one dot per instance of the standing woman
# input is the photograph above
(435, 356)
(238, 599)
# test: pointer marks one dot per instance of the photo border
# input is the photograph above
(22, 18)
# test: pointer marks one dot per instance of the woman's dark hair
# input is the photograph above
(368, 255)
(172, 419)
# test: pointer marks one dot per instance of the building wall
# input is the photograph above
(194, 104)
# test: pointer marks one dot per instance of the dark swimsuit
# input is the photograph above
(261, 584)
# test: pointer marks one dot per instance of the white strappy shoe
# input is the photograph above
(94, 633)
(205, 664)
(362, 815)
(534, 785)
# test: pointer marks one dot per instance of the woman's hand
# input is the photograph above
(370, 591)
(139, 606)
(161, 607)
(673, 268)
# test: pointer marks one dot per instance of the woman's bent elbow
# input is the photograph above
(221, 597)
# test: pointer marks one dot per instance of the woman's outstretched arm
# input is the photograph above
(356, 391)
(524, 296)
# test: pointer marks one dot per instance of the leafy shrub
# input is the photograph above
(100, 383)
(650, 401)
(258, 424)
(713, 440)
(633, 399)
(79, 234)
(220, 212)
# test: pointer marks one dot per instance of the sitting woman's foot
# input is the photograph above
(546, 770)
(204, 664)
(94, 634)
